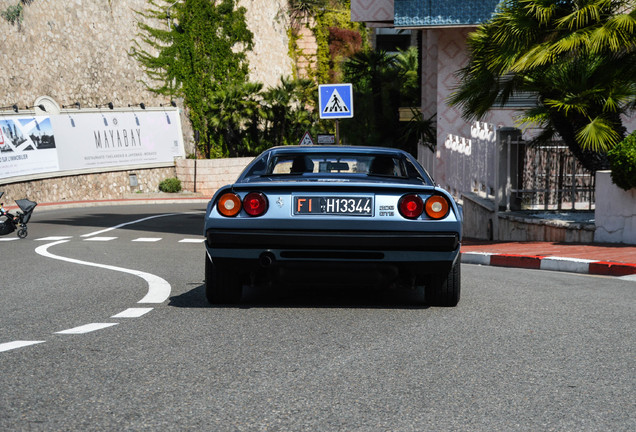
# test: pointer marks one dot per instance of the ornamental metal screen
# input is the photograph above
(552, 178)
(516, 176)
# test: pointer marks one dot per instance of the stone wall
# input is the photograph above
(211, 174)
(78, 51)
(481, 223)
(87, 187)
(615, 213)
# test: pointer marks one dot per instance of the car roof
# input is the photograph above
(295, 149)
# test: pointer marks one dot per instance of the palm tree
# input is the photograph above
(286, 110)
(232, 109)
(577, 56)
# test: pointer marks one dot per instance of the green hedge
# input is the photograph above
(623, 163)
(170, 185)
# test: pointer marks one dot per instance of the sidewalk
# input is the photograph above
(597, 258)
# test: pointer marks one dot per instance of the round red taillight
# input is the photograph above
(411, 206)
(255, 204)
(229, 204)
(437, 207)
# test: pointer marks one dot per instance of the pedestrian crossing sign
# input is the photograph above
(335, 101)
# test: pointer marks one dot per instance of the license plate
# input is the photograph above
(354, 206)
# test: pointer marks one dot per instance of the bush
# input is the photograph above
(170, 185)
(623, 162)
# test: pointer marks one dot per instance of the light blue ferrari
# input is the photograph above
(333, 215)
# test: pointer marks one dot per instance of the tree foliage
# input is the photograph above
(623, 163)
(382, 83)
(577, 56)
(199, 52)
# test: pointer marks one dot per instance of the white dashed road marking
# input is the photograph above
(54, 238)
(132, 313)
(87, 328)
(17, 344)
(191, 240)
(147, 239)
(100, 239)
(9, 239)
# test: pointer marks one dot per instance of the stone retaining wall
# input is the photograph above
(85, 187)
(116, 185)
(78, 51)
(211, 174)
(480, 223)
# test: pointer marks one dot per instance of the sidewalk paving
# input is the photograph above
(613, 259)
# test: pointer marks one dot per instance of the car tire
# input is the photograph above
(222, 284)
(444, 289)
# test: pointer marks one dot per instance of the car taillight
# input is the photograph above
(229, 204)
(411, 206)
(255, 204)
(437, 207)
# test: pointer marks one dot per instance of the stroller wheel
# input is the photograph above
(22, 233)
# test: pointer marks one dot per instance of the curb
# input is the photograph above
(572, 265)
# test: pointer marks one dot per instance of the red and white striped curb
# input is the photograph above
(573, 265)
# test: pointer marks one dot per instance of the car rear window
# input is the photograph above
(299, 164)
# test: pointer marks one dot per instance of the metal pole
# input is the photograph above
(196, 147)
(508, 183)
(495, 225)
(337, 132)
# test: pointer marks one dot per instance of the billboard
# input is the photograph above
(88, 141)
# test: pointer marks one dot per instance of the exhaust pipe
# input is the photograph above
(266, 259)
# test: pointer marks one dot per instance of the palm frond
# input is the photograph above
(598, 135)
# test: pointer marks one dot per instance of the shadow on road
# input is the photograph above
(308, 297)
(184, 221)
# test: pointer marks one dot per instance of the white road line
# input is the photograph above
(100, 239)
(147, 239)
(10, 239)
(126, 223)
(17, 344)
(87, 328)
(53, 238)
(190, 240)
(158, 288)
(132, 313)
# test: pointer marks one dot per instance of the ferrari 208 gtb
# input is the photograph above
(333, 215)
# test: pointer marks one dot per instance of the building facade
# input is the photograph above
(464, 160)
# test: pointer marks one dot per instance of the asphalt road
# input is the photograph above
(525, 350)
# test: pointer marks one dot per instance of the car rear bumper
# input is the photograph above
(332, 240)
(406, 252)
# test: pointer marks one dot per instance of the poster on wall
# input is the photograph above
(27, 146)
(88, 141)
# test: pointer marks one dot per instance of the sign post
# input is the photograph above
(335, 102)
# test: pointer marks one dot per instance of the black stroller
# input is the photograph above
(10, 222)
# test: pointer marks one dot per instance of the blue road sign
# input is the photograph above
(335, 101)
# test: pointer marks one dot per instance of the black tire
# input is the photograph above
(444, 289)
(22, 233)
(222, 284)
